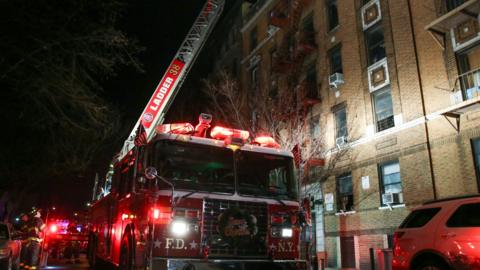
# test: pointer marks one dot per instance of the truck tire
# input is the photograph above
(432, 265)
(92, 251)
(127, 261)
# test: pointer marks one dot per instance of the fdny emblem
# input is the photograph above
(148, 117)
(237, 223)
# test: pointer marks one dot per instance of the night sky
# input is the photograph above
(160, 27)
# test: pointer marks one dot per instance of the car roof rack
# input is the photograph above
(452, 198)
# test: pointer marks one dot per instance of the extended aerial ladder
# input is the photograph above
(164, 94)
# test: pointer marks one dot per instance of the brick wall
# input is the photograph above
(426, 73)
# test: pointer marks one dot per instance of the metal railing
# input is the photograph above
(467, 86)
(449, 5)
(253, 10)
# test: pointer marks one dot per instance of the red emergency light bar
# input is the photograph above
(266, 141)
(222, 133)
(177, 128)
(53, 228)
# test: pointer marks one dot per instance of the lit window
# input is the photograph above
(382, 101)
(345, 193)
(390, 183)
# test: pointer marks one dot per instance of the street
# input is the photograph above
(61, 264)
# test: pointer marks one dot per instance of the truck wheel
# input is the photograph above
(92, 252)
(432, 265)
(126, 255)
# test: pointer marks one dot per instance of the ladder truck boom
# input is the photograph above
(165, 92)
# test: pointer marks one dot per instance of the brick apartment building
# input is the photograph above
(397, 84)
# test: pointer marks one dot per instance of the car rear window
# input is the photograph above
(419, 218)
(467, 215)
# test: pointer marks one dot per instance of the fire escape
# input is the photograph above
(296, 44)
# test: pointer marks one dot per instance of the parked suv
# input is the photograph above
(442, 234)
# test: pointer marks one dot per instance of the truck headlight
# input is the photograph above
(4, 252)
(179, 227)
(287, 232)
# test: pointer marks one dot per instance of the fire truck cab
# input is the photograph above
(188, 202)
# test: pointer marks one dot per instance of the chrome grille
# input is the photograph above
(220, 247)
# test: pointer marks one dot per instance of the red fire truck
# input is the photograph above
(187, 202)
(185, 197)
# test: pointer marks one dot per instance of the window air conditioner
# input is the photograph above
(335, 79)
(340, 141)
(391, 198)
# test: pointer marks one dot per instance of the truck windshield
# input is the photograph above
(265, 175)
(195, 167)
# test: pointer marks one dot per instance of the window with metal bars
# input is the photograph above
(382, 101)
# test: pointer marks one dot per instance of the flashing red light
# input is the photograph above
(266, 141)
(206, 251)
(277, 219)
(222, 133)
(156, 213)
(177, 128)
(162, 215)
(53, 228)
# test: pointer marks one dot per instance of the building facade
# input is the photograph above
(396, 84)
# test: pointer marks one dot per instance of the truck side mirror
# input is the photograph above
(151, 173)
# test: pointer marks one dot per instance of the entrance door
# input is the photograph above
(347, 248)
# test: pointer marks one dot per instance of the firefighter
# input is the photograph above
(72, 250)
(35, 233)
(23, 233)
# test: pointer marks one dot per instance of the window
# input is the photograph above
(476, 158)
(308, 30)
(375, 43)
(332, 14)
(315, 127)
(253, 39)
(390, 182)
(341, 122)
(3, 232)
(382, 102)
(465, 216)
(419, 218)
(469, 69)
(254, 78)
(452, 4)
(344, 193)
(335, 57)
(311, 82)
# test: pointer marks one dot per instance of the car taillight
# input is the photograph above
(396, 247)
